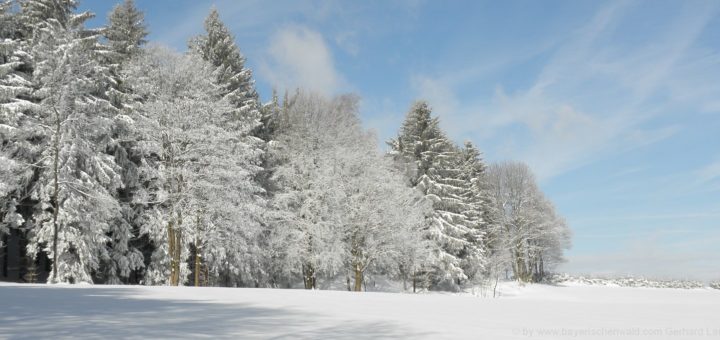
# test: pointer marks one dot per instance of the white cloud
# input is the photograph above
(299, 57)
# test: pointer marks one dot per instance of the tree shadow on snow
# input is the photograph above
(59, 312)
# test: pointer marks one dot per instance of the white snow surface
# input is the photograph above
(572, 311)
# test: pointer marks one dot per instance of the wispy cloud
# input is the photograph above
(247, 18)
(684, 217)
(592, 99)
(708, 173)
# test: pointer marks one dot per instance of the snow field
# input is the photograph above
(529, 312)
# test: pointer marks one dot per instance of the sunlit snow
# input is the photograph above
(573, 311)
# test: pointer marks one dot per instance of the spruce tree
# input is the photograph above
(124, 36)
(126, 30)
(78, 179)
(218, 47)
(36, 13)
(437, 173)
(472, 173)
(269, 115)
(17, 151)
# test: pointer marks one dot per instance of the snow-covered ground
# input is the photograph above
(573, 311)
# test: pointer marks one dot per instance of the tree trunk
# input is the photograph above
(174, 251)
(520, 266)
(513, 262)
(309, 276)
(308, 268)
(171, 252)
(414, 279)
(358, 278)
(197, 252)
(56, 205)
(197, 266)
(495, 287)
(178, 252)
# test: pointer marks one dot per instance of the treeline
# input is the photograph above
(127, 164)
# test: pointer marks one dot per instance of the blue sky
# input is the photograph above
(615, 105)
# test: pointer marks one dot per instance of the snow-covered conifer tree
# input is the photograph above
(126, 30)
(17, 151)
(269, 115)
(475, 195)
(454, 223)
(218, 47)
(76, 186)
(267, 131)
(124, 34)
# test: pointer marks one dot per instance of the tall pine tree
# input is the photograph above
(77, 184)
(217, 46)
(126, 30)
(17, 150)
(124, 36)
(472, 173)
(438, 174)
